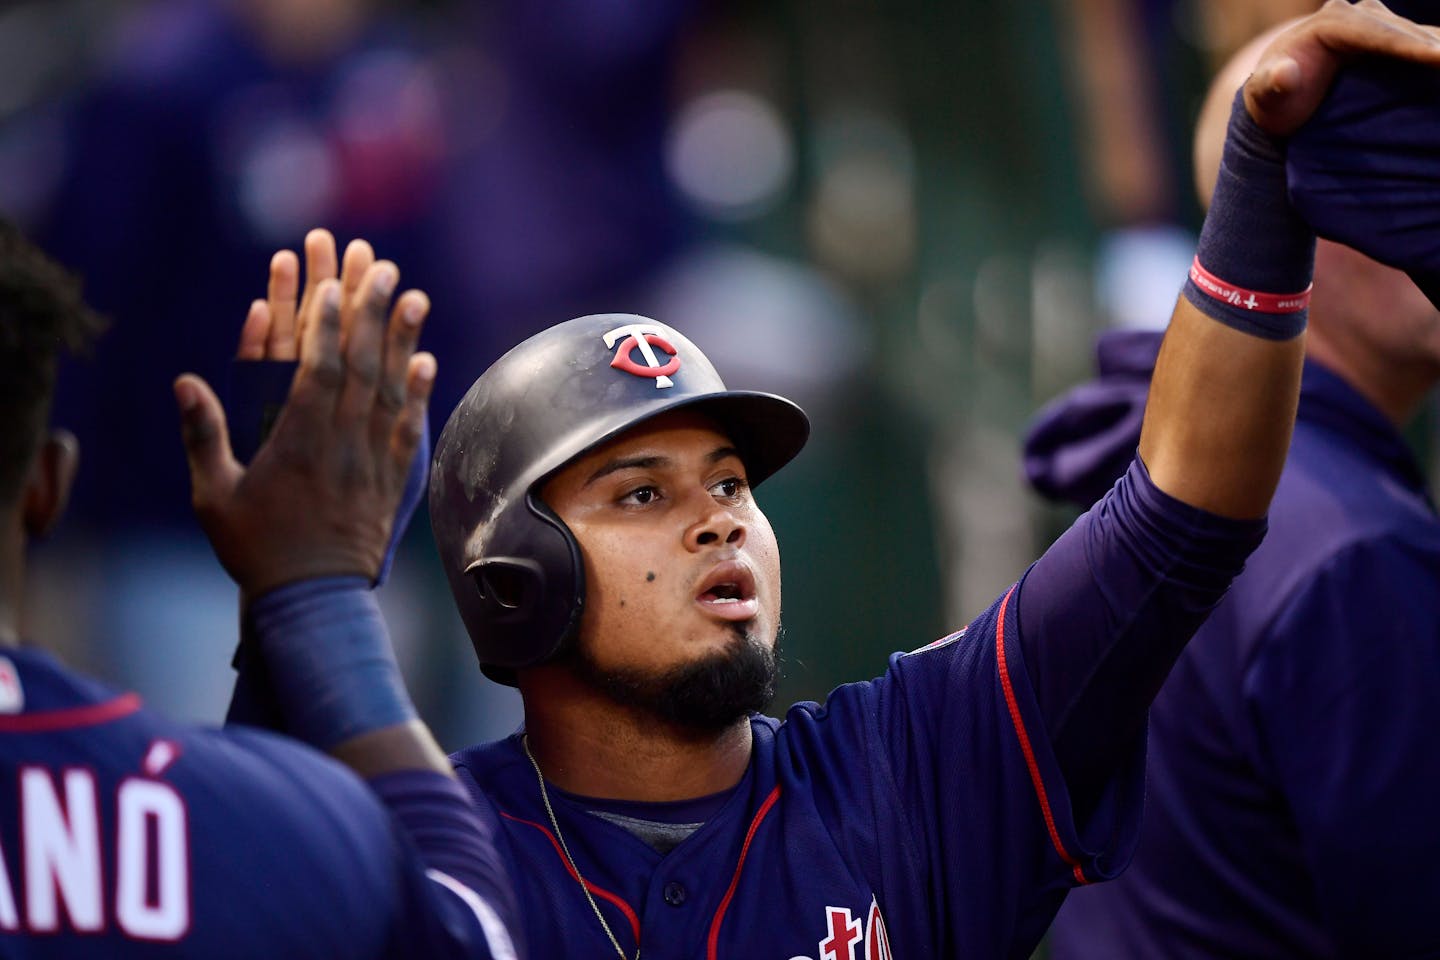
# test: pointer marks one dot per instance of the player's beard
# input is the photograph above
(704, 696)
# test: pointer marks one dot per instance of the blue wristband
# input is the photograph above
(329, 658)
(1256, 256)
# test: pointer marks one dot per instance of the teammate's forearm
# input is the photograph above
(335, 677)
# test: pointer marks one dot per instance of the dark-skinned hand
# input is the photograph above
(319, 497)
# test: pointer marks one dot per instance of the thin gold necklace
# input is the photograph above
(545, 796)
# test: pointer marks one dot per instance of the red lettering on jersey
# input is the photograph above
(845, 933)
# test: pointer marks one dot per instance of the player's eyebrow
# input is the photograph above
(626, 463)
(654, 462)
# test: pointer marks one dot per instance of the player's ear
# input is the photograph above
(47, 488)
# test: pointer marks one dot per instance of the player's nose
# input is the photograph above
(717, 525)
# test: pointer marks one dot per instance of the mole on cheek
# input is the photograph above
(650, 576)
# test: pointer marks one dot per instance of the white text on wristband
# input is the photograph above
(1213, 286)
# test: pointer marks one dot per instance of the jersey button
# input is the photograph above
(674, 894)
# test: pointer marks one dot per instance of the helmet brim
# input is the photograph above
(768, 430)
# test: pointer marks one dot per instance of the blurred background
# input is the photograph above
(911, 217)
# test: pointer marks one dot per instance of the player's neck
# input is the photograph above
(1396, 388)
(588, 746)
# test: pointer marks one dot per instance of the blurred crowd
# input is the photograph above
(521, 162)
(910, 217)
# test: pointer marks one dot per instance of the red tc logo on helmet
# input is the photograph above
(645, 338)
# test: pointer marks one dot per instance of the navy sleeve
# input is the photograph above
(453, 899)
(974, 827)
(461, 903)
(1106, 611)
(1345, 695)
(974, 813)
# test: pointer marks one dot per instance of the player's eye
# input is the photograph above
(641, 496)
(729, 488)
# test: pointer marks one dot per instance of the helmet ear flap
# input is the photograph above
(529, 593)
(508, 586)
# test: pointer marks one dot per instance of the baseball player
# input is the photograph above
(125, 835)
(591, 499)
(1293, 776)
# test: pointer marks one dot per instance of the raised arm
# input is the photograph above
(317, 501)
(1226, 385)
(304, 530)
(1105, 613)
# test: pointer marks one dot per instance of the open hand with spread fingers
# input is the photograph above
(275, 325)
(320, 496)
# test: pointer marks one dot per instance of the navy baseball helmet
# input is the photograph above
(514, 567)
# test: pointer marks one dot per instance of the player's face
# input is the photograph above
(682, 572)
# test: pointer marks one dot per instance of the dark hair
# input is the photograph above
(42, 316)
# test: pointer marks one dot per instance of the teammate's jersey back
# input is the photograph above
(123, 834)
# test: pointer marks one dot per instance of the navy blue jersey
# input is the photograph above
(846, 839)
(925, 813)
(1294, 775)
(922, 814)
(125, 835)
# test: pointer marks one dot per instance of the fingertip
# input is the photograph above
(284, 259)
(187, 395)
(254, 332)
(384, 278)
(359, 247)
(1269, 93)
(415, 306)
(423, 367)
(1283, 75)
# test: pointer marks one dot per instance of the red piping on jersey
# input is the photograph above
(602, 894)
(712, 944)
(1019, 723)
(44, 721)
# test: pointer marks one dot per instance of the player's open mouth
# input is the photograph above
(728, 592)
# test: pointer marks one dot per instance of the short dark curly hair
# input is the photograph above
(42, 316)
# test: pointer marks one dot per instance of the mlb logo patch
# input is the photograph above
(12, 697)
